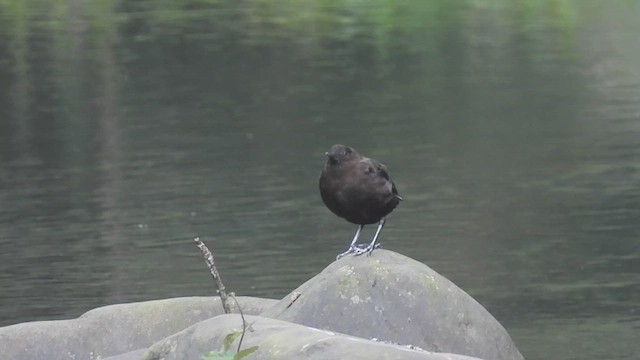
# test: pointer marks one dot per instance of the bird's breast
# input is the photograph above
(359, 198)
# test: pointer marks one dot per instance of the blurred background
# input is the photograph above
(510, 127)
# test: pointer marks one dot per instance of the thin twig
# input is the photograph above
(208, 258)
(244, 322)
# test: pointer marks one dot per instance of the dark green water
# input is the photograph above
(511, 128)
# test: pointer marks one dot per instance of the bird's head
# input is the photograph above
(340, 153)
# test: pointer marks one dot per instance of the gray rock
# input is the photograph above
(114, 329)
(131, 355)
(386, 296)
(393, 298)
(277, 339)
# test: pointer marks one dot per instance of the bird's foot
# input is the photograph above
(349, 251)
(358, 249)
(364, 248)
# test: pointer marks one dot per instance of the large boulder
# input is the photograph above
(275, 339)
(114, 329)
(400, 303)
(391, 297)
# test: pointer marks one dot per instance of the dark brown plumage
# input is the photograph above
(359, 190)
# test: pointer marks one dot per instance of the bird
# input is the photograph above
(359, 190)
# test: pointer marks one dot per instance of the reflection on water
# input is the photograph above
(511, 130)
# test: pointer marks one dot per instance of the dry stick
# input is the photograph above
(208, 258)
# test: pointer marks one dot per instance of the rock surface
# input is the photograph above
(394, 298)
(277, 339)
(114, 329)
(386, 296)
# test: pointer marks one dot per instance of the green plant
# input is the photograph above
(224, 353)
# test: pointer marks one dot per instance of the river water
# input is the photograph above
(511, 128)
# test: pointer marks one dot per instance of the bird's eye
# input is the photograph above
(347, 151)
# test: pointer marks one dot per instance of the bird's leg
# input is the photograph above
(368, 249)
(352, 247)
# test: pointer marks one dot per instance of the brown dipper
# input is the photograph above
(359, 190)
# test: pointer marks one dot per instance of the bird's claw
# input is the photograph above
(358, 249)
(364, 248)
(351, 249)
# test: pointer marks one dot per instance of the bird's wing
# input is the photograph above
(372, 167)
(379, 169)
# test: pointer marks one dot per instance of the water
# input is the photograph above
(512, 130)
